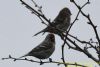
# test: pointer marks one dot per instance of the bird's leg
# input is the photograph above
(50, 59)
(41, 62)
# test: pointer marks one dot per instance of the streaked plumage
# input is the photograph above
(45, 49)
(61, 22)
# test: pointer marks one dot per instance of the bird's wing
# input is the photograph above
(42, 46)
(58, 20)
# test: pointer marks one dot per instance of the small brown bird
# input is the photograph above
(60, 23)
(45, 49)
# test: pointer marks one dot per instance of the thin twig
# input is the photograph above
(77, 16)
(82, 50)
(63, 58)
(93, 26)
(33, 10)
(56, 62)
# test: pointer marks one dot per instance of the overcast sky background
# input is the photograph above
(17, 25)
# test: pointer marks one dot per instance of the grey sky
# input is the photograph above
(17, 25)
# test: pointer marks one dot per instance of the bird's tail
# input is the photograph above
(38, 33)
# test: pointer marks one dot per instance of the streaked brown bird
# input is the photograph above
(60, 23)
(45, 49)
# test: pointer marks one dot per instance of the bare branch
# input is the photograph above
(93, 26)
(82, 50)
(77, 16)
(42, 62)
(36, 12)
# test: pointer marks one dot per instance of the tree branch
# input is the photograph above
(55, 62)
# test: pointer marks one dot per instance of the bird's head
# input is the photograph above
(50, 37)
(65, 12)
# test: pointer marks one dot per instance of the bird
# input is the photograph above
(45, 49)
(60, 23)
